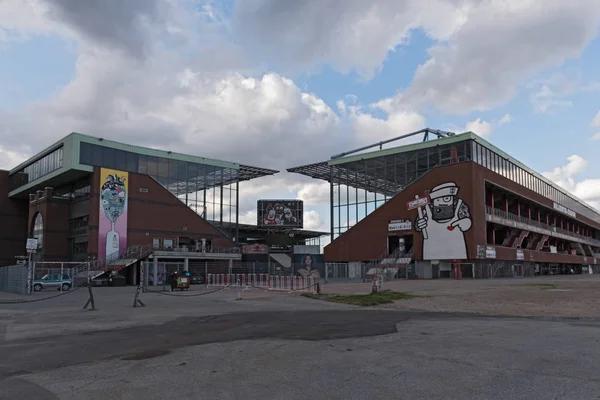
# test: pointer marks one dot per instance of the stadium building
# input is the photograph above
(87, 198)
(452, 205)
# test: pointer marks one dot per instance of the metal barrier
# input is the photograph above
(13, 279)
(264, 281)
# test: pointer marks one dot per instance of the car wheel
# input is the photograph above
(37, 287)
(66, 287)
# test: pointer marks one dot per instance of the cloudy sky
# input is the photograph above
(280, 83)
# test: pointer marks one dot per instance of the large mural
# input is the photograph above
(112, 228)
(443, 218)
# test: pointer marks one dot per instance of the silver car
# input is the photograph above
(53, 281)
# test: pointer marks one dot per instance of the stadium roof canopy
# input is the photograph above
(388, 171)
(374, 171)
(76, 155)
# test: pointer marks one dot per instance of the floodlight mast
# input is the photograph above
(426, 132)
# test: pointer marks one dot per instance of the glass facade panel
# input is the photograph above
(496, 163)
(37, 169)
(208, 190)
(357, 194)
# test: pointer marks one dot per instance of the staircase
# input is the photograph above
(510, 238)
(519, 240)
(283, 259)
(590, 252)
(542, 242)
(578, 248)
(96, 268)
(535, 238)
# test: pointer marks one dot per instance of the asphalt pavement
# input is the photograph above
(294, 348)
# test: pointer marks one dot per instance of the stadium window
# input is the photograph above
(142, 164)
(156, 243)
(152, 163)
(85, 153)
(120, 160)
(163, 167)
(173, 169)
(131, 162)
(97, 156)
(192, 170)
(182, 171)
(108, 157)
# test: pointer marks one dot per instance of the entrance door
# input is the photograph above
(517, 270)
(403, 243)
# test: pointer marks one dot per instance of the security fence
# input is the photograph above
(158, 273)
(13, 279)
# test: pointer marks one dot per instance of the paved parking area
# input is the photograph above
(564, 296)
(196, 345)
(65, 314)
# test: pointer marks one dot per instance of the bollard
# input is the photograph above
(239, 293)
(136, 299)
(374, 287)
(318, 288)
(90, 301)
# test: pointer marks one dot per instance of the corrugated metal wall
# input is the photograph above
(13, 279)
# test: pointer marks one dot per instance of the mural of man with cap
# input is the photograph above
(443, 224)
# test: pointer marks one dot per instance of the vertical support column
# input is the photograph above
(155, 271)
(237, 212)
(347, 207)
(494, 236)
(186, 264)
(330, 203)
(221, 203)
(506, 204)
(518, 207)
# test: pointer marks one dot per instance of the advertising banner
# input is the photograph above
(280, 213)
(112, 227)
(309, 265)
(255, 249)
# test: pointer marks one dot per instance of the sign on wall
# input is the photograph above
(399, 225)
(520, 255)
(564, 210)
(255, 249)
(490, 252)
(112, 227)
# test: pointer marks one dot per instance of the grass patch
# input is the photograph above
(364, 300)
(542, 286)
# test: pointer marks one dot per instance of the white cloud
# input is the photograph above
(312, 221)
(480, 127)
(314, 193)
(587, 190)
(596, 136)
(507, 118)
(546, 99)
(484, 50)
(596, 121)
(10, 159)
(350, 35)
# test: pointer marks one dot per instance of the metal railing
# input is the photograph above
(526, 221)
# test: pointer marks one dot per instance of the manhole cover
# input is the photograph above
(145, 355)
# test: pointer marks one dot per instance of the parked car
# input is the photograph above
(53, 281)
(197, 278)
